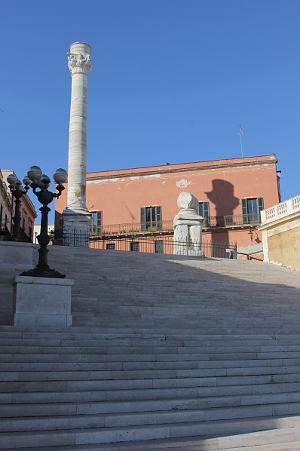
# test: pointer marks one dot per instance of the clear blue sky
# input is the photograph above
(171, 81)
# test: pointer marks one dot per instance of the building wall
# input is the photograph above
(5, 204)
(120, 194)
(281, 233)
(27, 210)
(284, 246)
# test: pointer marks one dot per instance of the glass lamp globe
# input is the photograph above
(12, 179)
(26, 181)
(45, 180)
(18, 184)
(34, 173)
(60, 176)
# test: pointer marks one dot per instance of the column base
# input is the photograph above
(76, 229)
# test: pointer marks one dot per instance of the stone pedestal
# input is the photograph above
(42, 301)
(76, 231)
(188, 227)
(76, 216)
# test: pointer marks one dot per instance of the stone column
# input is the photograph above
(76, 217)
(187, 226)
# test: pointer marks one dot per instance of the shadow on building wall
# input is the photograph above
(225, 202)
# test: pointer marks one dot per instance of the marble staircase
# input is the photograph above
(164, 353)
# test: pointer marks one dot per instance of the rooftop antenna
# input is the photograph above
(241, 131)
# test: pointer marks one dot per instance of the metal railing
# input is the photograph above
(167, 226)
(154, 245)
(131, 228)
(231, 220)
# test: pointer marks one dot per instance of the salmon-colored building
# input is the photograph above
(143, 201)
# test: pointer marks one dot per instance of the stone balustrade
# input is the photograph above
(286, 208)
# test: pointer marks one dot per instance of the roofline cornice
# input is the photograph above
(168, 170)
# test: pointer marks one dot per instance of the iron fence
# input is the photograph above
(154, 245)
(105, 231)
(167, 226)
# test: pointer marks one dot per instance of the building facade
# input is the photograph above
(142, 202)
(280, 228)
(27, 210)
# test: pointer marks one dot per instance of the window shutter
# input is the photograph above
(244, 207)
(200, 209)
(260, 203)
(206, 212)
(99, 221)
(158, 216)
(143, 218)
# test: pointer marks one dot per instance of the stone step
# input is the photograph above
(133, 334)
(112, 434)
(104, 407)
(282, 439)
(110, 420)
(87, 385)
(285, 357)
(22, 376)
(145, 365)
(156, 342)
(79, 334)
(190, 390)
(227, 353)
(95, 331)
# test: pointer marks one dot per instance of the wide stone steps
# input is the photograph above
(23, 376)
(283, 439)
(105, 407)
(143, 365)
(112, 420)
(70, 386)
(192, 390)
(90, 436)
(161, 349)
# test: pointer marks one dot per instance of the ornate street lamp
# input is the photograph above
(39, 183)
(17, 192)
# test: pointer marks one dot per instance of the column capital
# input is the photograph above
(79, 60)
(79, 63)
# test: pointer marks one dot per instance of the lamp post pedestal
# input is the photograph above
(42, 301)
(42, 294)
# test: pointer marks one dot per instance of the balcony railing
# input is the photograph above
(167, 226)
(131, 228)
(231, 220)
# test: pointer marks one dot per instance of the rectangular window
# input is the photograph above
(110, 246)
(96, 223)
(204, 212)
(251, 210)
(159, 246)
(151, 218)
(134, 246)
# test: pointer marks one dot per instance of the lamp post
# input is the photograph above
(17, 191)
(39, 183)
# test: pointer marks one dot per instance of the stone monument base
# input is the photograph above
(42, 301)
(76, 228)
